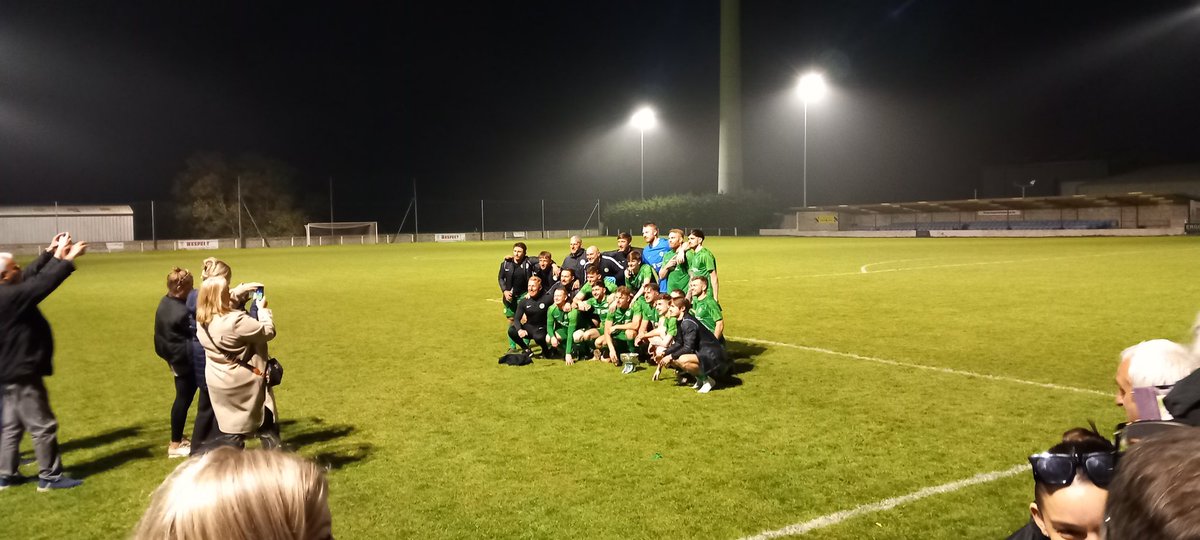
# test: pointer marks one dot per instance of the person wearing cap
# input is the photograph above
(1070, 488)
(26, 351)
(1146, 373)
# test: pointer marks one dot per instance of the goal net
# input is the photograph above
(342, 232)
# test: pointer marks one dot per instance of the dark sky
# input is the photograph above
(103, 101)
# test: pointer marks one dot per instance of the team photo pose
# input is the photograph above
(529, 321)
(561, 322)
(620, 327)
(513, 278)
(656, 252)
(695, 350)
(593, 311)
(700, 261)
(706, 308)
(674, 271)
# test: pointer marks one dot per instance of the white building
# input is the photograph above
(38, 224)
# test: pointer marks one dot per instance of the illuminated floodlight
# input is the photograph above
(644, 119)
(811, 87)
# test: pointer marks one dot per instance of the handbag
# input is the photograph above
(273, 374)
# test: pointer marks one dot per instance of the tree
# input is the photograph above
(207, 196)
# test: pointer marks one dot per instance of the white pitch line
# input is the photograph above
(886, 504)
(950, 371)
(862, 269)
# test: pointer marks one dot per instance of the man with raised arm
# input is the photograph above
(26, 350)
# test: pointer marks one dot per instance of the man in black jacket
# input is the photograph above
(694, 350)
(26, 347)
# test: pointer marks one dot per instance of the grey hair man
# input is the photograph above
(26, 347)
(575, 259)
(1147, 372)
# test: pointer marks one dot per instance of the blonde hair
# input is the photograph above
(214, 267)
(234, 494)
(211, 300)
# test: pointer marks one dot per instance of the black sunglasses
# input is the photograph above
(1060, 469)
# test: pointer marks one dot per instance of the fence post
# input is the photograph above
(482, 230)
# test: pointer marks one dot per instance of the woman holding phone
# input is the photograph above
(235, 350)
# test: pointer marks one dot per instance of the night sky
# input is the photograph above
(101, 102)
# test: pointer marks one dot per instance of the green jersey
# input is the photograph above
(643, 308)
(563, 323)
(599, 308)
(700, 262)
(586, 288)
(671, 324)
(708, 311)
(618, 316)
(678, 277)
(644, 273)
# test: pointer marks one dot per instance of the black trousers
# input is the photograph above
(185, 392)
(206, 422)
(536, 333)
(268, 434)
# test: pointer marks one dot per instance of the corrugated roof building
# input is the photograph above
(38, 224)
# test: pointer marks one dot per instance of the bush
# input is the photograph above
(748, 211)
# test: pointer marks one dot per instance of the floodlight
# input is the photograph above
(811, 87)
(644, 119)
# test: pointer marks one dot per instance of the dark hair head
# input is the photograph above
(1075, 441)
(522, 246)
(1154, 494)
(567, 271)
(545, 255)
(702, 279)
(624, 236)
(682, 303)
(698, 233)
(623, 290)
(593, 268)
(634, 255)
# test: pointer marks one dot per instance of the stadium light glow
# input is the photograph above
(811, 87)
(644, 119)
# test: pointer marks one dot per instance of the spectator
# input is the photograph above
(1156, 492)
(26, 348)
(235, 347)
(1183, 402)
(1146, 373)
(254, 495)
(1070, 487)
(172, 343)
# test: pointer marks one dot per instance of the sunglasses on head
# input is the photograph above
(1060, 469)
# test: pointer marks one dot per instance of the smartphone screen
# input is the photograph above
(259, 293)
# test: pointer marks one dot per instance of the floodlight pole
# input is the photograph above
(643, 132)
(331, 201)
(804, 162)
(241, 239)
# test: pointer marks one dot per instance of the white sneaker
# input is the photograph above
(181, 450)
(708, 385)
(697, 385)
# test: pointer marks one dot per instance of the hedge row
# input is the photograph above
(748, 211)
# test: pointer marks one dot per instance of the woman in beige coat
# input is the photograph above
(234, 344)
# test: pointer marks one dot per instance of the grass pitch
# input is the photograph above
(392, 380)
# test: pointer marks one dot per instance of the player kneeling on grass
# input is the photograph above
(658, 338)
(695, 349)
(593, 311)
(1070, 488)
(620, 327)
(529, 320)
(561, 321)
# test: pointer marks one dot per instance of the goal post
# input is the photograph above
(368, 231)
